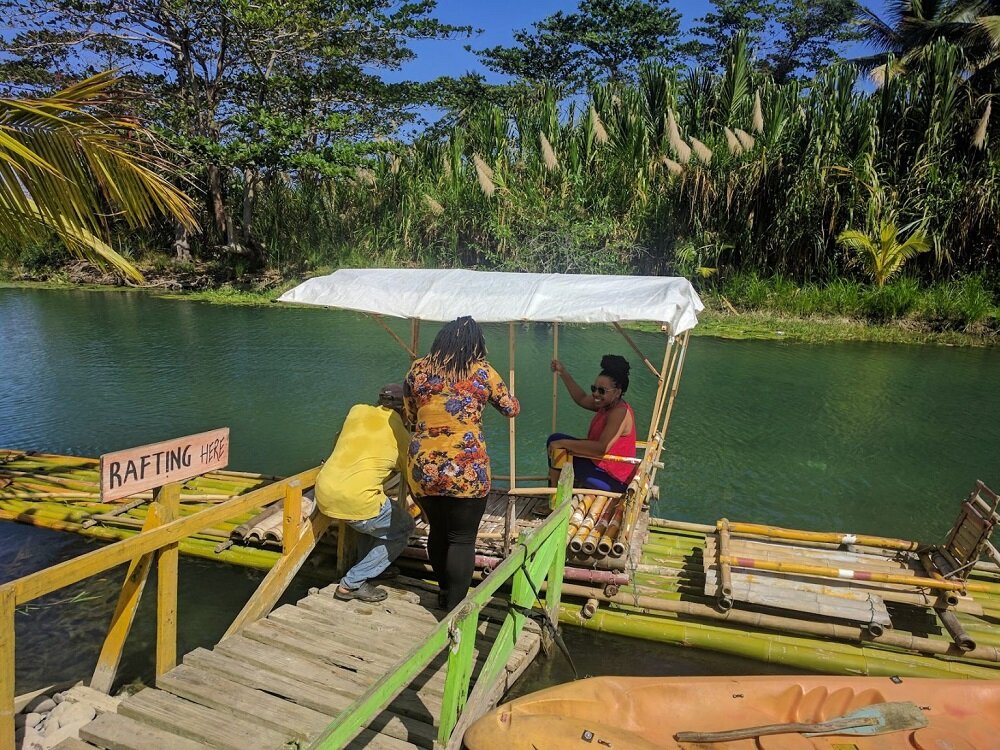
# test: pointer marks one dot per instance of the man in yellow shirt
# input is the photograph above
(371, 447)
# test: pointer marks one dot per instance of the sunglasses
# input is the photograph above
(599, 390)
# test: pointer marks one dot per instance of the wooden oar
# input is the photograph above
(878, 718)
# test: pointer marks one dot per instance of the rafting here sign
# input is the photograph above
(136, 469)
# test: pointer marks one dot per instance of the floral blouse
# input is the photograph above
(447, 453)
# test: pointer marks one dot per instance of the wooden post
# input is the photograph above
(6, 668)
(724, 595)
(168, 500)
(121, 621)
(555, 375)
(291, 527)
(512, 423)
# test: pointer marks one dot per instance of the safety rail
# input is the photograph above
(163, 529)
(537, 557)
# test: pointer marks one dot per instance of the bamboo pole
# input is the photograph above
(675, 386)
(587, 524)
(555, 375)
(645, 360)
(787, 624)
(660, 385)
(724, 595)
(395, 337)
(605, 545)
(860, 575)
(600, 527)
(414, 338)
(864, 540)
(512, 422)
(956, 631)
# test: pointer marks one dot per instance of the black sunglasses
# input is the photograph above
(598, 390)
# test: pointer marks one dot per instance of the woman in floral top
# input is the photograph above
(448, 467)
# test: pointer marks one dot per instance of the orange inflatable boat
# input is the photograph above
(747, 713)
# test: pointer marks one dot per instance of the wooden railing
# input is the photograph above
(538, 557)
(159, 539)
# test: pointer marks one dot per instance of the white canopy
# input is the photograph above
(494, 297)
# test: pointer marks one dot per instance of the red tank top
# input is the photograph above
(623, 446)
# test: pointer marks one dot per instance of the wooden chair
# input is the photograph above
(970, 536)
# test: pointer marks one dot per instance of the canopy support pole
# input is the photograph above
(414, 337)
(555, 375)
(675, 386)
(662, 377)
(511, 423)
(395, 337)
(645, 359)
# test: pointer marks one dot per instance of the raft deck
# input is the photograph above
(286, 677)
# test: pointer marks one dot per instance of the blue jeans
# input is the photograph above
(381, 540)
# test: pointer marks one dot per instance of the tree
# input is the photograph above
(791, 38)
(971, 25)
(884, 255)
(604, 40)
(67, 167)
(247, 91)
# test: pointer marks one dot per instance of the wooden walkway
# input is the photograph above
(284, 678)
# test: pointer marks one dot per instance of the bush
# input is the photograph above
(957, 305)
(892, 301)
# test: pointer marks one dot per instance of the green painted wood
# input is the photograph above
(460, 663)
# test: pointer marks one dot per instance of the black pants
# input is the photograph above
(451, 545)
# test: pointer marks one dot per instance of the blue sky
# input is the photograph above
(498, 21)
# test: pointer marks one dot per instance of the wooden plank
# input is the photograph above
(117, 732)
(167, 504)
(281, 574)
(243, 705)
(72, 743)
(124, 615)
(310, 686)
(248, 704)
(162, 710)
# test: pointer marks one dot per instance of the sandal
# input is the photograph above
(363, 593)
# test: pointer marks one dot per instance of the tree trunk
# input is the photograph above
(182, 245)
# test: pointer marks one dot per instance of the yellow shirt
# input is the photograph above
(372, 445)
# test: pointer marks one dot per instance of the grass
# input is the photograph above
(747, 306)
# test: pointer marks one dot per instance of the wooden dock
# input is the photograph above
(284, 678)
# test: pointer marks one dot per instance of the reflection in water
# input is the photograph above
(854, 437)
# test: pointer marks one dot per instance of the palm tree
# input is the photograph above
(68, 168)
(914, 25)
(885, 255)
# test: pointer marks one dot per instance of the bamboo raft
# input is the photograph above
(774, 595)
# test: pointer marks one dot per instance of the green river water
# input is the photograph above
(851, 437)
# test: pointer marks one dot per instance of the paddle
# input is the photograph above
(878, 718)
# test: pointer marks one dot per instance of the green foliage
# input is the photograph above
(884, 255)
(793, 38)
(604, 40)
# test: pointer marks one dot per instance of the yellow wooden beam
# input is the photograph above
(278, 578)
(121, 621)
(168, 498)
(6, 668)
(51, 579)
(291, 526)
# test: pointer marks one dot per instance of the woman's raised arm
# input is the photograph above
(577, 393)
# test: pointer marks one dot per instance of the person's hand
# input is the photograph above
(557, 367)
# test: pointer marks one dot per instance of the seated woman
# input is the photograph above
(611, 432)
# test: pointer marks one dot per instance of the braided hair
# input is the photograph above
(458, 346)
(616, 367)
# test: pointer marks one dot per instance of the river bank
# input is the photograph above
(747, 308)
